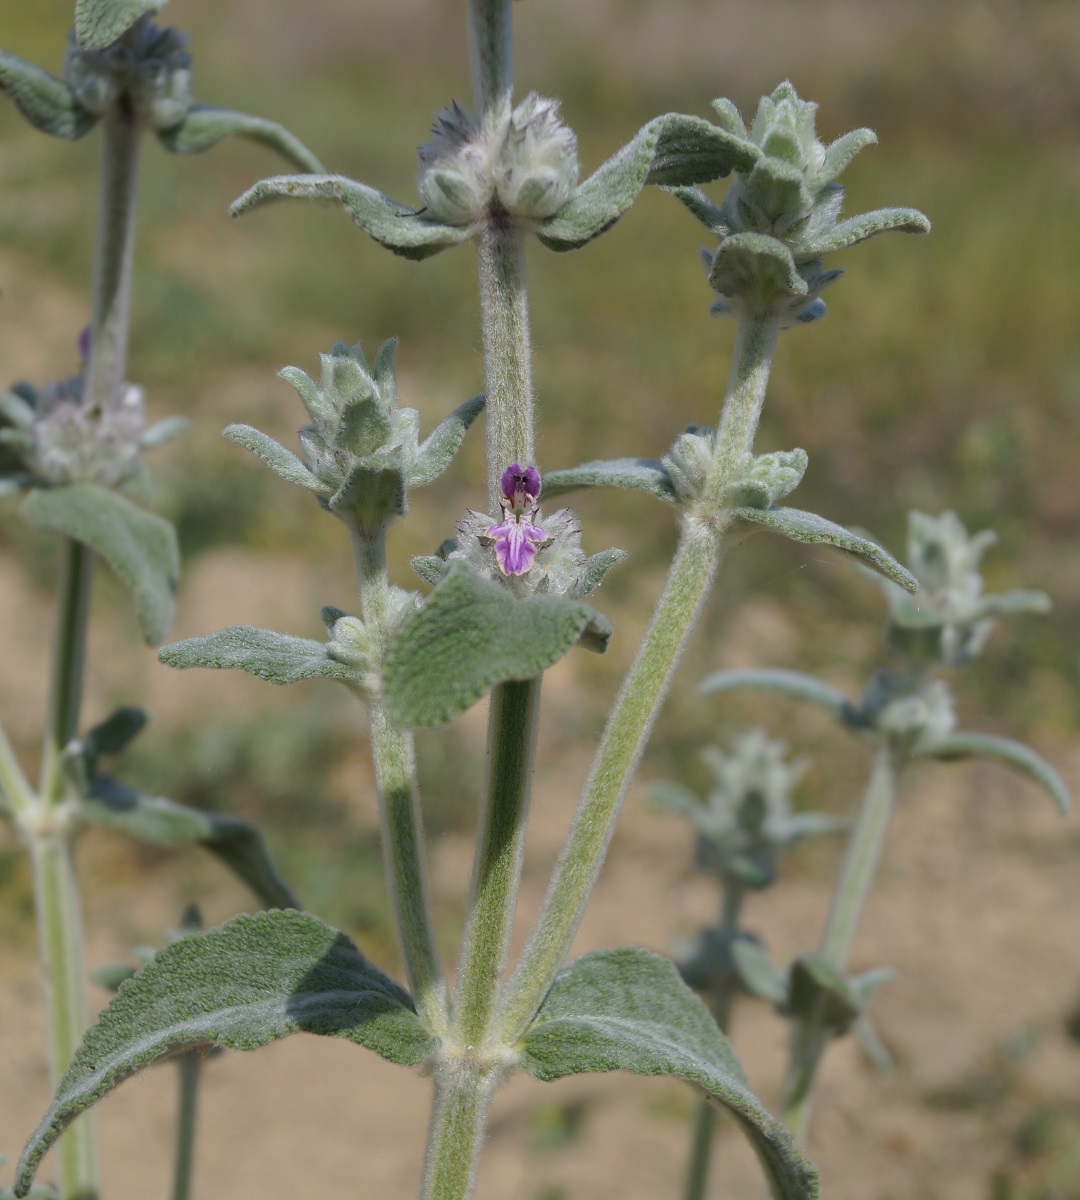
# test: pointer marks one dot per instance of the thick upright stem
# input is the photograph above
(463, 1093)
(490, 47)
(60, 938)
(504, 306)
(497, 870)
(399, 802)
(111, 304)
(623, 743)
(808, 1040)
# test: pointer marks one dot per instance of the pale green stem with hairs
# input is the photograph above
(47, 831)
(689, 580)
(849, 898)
(399, 800)
(189, 1068)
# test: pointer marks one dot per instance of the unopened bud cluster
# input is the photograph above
(519, 162)
(149, 68)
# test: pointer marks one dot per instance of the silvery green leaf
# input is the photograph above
(205, 126)
(791, 683)
(318, 408)
(839, 154)
(250, 982)
(958, 746)
(17, 410)
(471, 634)
(276, 657)
(110, 976)
(1018, 601)
(821, 996)
(810, 824)
(639, 474)
(628, 1010)
(163, 431)
(756, 970)
(813, 530)
(391, 224)
(757, 270)
(866, 984)
(709, 214)
(45, 101)
(364, 425)
(669, 151)
(730, 117)
(439, 447)
(374, 489)
(431, 568)
(858, 229)
(99, 23)
(777, 189)
(872, 1046)
(240, 845)
(139, 546)
(280, 460)
(595, 571)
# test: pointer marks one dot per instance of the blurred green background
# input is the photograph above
(945, 375)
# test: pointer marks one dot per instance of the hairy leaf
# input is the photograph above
(442, 443)
(858, 229)
(957, 746)
(139, 546)
(99, 23)
(628, 1010)
(205, 126)
(277, 457)
(374, 490)
(244, 985)
(276, 657)
(237, 843)
(391, 224)
(792, 683)
(808, 527)
(45, 101)
(668, 151)
(471, 634)
(639, 474)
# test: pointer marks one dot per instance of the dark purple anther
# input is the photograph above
(520, 485)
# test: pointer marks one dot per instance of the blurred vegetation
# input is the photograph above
(947, 373)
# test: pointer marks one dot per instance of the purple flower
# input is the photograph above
(516, 538)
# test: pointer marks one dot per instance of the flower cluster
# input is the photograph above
(521, 162)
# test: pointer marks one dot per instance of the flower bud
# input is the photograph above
(536, 163)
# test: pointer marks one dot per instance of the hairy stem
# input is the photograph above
(720, 1001)
(490, 51)
(463, 1091)
(60, 939)
(504, 307)
(497, 869)
(399, 803)
(630, 722)
(809, 1041)
(189, 1068)
(620, 750)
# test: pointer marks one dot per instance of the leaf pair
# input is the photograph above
(258, 979)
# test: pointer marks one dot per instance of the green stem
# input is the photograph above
(490, 47)
(60, 937)
(697, 1175)
(399, 803)
(689, 579)
(111, 304)
(620, 749)
(754, 347)
(69, 658)
(189, 1068)
(512, 727)
(861, 860)
(463, 1091)
(16, 794)
(504, 307)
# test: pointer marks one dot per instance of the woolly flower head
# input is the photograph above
(522, 161)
